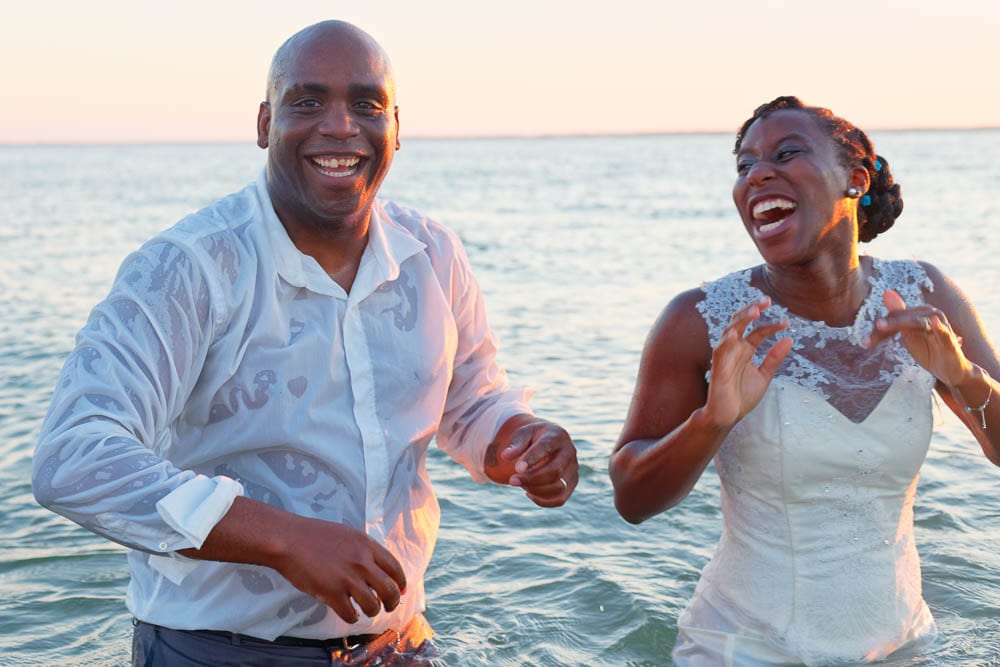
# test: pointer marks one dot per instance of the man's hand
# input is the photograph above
(332, 562)
(336, 564)
(537, 456)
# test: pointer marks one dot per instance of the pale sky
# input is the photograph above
(184, 70)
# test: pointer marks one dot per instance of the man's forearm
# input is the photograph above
(250, 532)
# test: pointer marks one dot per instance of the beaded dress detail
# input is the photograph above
(817, 562)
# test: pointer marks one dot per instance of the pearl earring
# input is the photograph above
(853, 192)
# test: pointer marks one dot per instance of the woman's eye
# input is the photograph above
(785, 153)
(743, 166)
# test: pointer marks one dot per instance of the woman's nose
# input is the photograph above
(760, 171)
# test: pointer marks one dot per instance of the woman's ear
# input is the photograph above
(860, 179)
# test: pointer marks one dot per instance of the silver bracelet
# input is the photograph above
(982, 408)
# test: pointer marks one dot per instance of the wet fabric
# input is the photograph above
(817, 562)
(224, 362)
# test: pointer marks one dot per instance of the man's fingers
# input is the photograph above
(551, 449)
(341, 605)
(518, 442)
(366, 599)
(390, 565)
(385, 588)
(552, 495)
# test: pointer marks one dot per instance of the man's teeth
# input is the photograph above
(333, 166)
(762, 207)
(769, 226)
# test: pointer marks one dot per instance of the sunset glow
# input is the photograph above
(117, 71)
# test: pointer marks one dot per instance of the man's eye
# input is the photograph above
(368, 107)
(743, 166)
(306, 103)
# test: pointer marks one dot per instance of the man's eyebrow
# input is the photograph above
(373, 91)
(305, 87)
(369, 90)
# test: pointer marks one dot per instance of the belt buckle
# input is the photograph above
(346, 645)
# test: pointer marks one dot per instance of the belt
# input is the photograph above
(348, 643)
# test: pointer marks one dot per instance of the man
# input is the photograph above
(249, 409)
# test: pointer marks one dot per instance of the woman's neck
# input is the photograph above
(830, 291)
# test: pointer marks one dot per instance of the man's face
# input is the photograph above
(330, 128)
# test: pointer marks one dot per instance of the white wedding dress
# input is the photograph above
(817, 562)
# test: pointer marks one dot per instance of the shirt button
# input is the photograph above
(163, 546)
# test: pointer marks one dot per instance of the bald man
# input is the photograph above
(249, 409)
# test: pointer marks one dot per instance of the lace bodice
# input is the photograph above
(818, 482)
(832, 361)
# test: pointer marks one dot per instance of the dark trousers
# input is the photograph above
(157, 646)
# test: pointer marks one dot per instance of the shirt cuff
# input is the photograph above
(194, 507)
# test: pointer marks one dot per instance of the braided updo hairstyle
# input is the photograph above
(882, 204)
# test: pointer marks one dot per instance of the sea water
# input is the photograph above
(578, 244)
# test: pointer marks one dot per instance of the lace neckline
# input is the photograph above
(832, 361)
(864, 318)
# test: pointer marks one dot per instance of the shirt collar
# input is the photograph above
(389, 245)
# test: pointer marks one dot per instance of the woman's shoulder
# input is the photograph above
(912, 279)
(680, 336)
(724, 296)
(712, 298)
(735, 280)
(912, 269)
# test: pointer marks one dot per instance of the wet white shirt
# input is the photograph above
(225, 362)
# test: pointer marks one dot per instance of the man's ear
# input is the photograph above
(263, 123)
(395, 113)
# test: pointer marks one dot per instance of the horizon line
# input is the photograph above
(467, 137)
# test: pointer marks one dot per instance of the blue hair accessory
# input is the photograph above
(866, 200)
(878, 166)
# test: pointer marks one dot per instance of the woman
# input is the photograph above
(808, 379)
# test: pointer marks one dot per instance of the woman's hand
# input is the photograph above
(737, 383)
(927, 335)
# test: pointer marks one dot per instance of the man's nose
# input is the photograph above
(338, 122)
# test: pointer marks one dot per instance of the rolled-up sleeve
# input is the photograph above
(480, 398)
(100, 457)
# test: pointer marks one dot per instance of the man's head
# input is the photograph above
(330, 125)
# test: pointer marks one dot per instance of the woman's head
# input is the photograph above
(881, 204)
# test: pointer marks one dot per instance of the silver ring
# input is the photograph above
(564, 484)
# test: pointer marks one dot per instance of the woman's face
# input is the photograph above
(791, 188)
